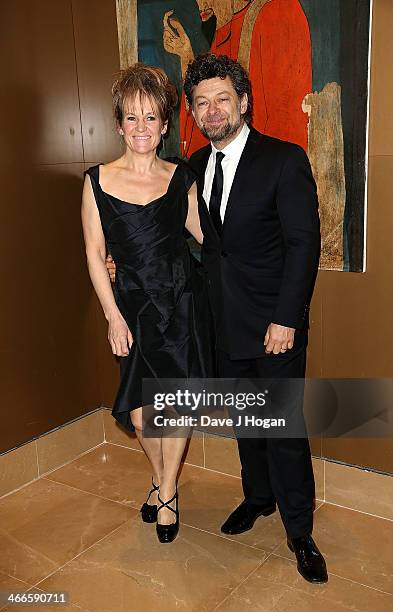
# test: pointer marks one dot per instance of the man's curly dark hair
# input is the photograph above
(209, 66)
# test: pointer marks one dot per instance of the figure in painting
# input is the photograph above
(271, 39)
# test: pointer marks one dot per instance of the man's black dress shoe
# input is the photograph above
(310, 562)
(243, 518)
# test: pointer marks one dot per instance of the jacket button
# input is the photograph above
(224, 254)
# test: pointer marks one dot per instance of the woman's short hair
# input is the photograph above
(210, 66)
(144, 81)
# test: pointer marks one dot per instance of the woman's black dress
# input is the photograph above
(159, 289)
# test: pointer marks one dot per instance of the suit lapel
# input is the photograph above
(236, 193)
(203, 205)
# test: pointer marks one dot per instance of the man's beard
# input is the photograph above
(221, 133)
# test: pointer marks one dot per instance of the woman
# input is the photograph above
(157, 317)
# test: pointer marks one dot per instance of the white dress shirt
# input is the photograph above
(229, 165)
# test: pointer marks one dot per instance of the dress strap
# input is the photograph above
(189, 176)
(94, 173)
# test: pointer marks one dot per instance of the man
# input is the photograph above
(271, 39)
(258, 211)
(260, 253)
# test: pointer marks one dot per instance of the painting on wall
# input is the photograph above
(308, 62)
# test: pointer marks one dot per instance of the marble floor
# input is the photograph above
(78, 530)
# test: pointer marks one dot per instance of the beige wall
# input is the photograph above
(58, 61)
(352, 314)
(55, 360)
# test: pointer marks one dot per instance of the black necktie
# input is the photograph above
(216, 194)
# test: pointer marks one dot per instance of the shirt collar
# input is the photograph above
(237, 145)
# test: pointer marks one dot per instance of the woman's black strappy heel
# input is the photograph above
(167, 533)
(149, 511)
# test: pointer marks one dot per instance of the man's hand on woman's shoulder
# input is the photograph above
(111, 267)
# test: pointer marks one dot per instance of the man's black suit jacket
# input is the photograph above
(263, 268)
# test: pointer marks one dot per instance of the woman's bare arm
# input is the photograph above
(119, 335)
(192, 222)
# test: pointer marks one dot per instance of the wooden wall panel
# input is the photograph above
(50, 356)
(49, 359)
(356, 325)
(39, 90)
(97, 56)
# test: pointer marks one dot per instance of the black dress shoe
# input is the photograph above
(167, 533)
(310, 562)
(149, 511)
(243, 518)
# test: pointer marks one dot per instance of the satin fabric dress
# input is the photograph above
(159, 289)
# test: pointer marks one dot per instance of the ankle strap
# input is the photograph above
(155, 488)
(166, 504)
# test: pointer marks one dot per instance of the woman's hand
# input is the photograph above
(119, 336)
